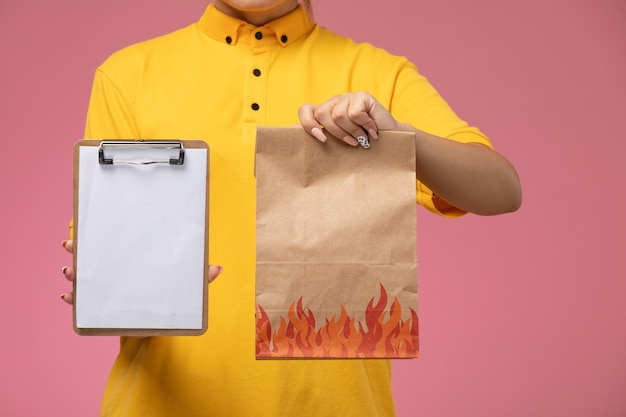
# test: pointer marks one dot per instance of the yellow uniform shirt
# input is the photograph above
(216, 80)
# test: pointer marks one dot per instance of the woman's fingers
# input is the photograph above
(333, 115)
(68, 245)
(351, 117)
(310, 124)
(214, 272)
(327, 119)
(68, 272)
(68, 297)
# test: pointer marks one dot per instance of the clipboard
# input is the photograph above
(140, 235)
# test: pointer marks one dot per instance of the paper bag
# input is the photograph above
(336, 247)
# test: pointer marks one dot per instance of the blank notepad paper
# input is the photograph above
(141, 213)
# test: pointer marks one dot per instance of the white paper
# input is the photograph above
(141, 243)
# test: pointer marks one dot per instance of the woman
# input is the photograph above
(252, 62)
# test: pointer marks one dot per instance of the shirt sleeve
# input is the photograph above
(111, 113)
(416, 102)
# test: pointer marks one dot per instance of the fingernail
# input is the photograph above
(220, 268)
(350, 140)
(363, 141)
(63, 297)
(318, 134)
(63, 243)
(64, 269)
(373, 133)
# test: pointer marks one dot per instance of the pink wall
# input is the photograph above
(521, 315)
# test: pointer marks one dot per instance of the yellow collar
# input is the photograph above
(224, 28)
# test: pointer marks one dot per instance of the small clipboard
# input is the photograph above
(140, 235)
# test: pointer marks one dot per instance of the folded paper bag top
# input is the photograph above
(336, 271)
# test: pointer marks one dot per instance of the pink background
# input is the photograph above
(521, 315)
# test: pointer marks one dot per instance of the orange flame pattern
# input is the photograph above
(384, 335)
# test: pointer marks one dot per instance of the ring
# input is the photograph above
(322, 126)
(363, 141)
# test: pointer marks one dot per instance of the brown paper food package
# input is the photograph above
(336, 271)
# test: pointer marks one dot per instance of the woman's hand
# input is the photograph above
(70, 274)
(68, 271)
(346, 117)
(468, 176)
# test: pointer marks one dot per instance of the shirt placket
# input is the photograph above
(257, 66)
